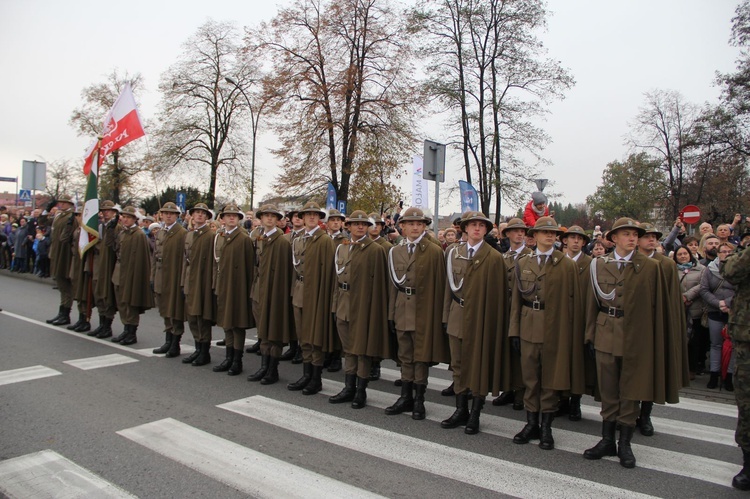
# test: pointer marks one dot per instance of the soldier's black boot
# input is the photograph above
(106, 331)
(530, 431)
(563, 407)
(316, 381)
(713, 382)
(236, 367)
(419, 412)
(518, 402)
(374, 371)
(606, 446)
(644, 421)
(505, 398)
(546, 442)
(405, 402)
(290, 352)
(254, 348)
(78, 323)
(121, 336)
(304, 380)
(174, 346)
(728, 385)
(742, 479)
(472, 424)
(574, 412)
(335, 365)
(131, 338)
(95, 332)
(448, 392)
(460, 415)
(347, 393)
(261, 372)
(59, 314)
(64, 319)
(226, 363)
(298, 356)
(360, 396)
(203, 356)
(272, 375)
(624, 452)
(167, 343)
(190, 358)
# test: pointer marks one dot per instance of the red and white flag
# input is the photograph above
(121, 126)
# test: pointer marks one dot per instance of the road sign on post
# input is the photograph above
(181, 200)
(34, 176)
(690, 214)
(434, 161)
(24, 195)
(541, 183)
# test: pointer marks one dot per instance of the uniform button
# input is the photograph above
(538, 278)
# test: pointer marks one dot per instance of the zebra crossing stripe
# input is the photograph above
(26, 374)
(47, 474)
(457, 464)
(250, 472)
(675, 463)
(114, 359)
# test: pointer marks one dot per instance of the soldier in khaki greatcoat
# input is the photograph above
(545, 310)
(197, 284)
(417, 273)
(294, 352)
(375, 232)
(63, 226)
(627, 314)
(79, 276)
(515, 231)
(335, 224)
(104, 266)
(166, 274)
(314, 280)
(132, 275)
(273, 285)
(361, 308)
(234, 278)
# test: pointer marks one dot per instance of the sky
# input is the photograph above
(616, 51)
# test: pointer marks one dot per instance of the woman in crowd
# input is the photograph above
(690, 272)
(718, 293)
(691, 243)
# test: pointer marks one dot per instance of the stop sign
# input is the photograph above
(690, 214)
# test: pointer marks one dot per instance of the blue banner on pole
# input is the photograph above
(331, 197)
(469, 197)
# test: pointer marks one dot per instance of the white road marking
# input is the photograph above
(110, 360)
(457, 464)
(251, 472)
(26, 374)
(47, 474)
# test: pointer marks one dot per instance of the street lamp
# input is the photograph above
(254, 119)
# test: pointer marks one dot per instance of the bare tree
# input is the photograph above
(64, 177)
(343, 71)
(200, 111)
(488, 69)
(663, 128)
(116, 179)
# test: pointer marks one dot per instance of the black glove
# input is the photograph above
(445, 327)
(392, 327)
(334, 317)
(50, 205)
(591, 351)
(515, 344)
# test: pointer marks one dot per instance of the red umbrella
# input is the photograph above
(726, 352)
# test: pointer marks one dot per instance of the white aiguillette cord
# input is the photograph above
(396, 281)
(454, 287)
(594, 281)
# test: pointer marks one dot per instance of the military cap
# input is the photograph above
(64, 198)
(232, 208)
(312, 207)
(575, 229)
(650, 229)
(202, 207)
(515, 223)
(269, 208)
(472, 216)
(414, 214)
(108, 205)
(170, 207)
(625, 223)
(131, 211)
(545, 223)
(360, 216)
(334, 213)
(377, 218)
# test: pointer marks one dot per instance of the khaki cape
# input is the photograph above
(167, 271)
(134, 261)
(197, 274)
(234, 280)
(60, 252)
(274, 276)
(319, 283)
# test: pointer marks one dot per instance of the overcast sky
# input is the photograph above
(51, 49)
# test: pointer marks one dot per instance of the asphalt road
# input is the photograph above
(88, 418)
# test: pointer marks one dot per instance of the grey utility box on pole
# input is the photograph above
(433, 168)
(34, 178)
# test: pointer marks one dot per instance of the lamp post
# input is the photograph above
(254, 119)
